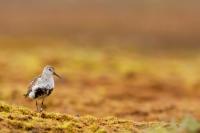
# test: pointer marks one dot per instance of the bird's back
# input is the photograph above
(31, 85)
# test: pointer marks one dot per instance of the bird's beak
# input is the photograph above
(56, 75)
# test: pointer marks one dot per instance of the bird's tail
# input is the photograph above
(26, 95)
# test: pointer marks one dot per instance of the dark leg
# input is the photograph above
(37, 105)
(42, 102)
(42, 105)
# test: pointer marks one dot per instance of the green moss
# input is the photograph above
(56, 116)
(20, 119)
(24, 111)
(186, 125)
(190, 125)
(5, 107)
(69, 127)
(101, 130)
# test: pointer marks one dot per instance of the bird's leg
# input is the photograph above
(42, 105)
(42, 102)
(36, 105)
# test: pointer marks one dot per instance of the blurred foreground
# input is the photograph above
(20, 119)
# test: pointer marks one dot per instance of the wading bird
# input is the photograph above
(42, 86)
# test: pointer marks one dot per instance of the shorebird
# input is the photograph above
(42, 86)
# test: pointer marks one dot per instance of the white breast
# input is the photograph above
(47, 83)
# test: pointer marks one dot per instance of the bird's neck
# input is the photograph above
(46, 76)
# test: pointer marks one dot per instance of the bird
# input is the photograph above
(42, 86)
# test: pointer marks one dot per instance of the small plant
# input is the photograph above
(186, 125)
(190, 125)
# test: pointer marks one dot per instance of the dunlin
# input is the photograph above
(42, 86)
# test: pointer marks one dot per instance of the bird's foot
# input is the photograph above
(43, 106)
(38, 110)
(41, 109)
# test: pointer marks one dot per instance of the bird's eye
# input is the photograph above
(50, 69)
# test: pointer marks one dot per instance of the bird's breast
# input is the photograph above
(45, 83)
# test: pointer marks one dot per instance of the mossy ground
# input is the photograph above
(20, 119)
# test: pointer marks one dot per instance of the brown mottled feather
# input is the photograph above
(31, 85)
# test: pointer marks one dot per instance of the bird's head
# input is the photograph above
(49, 70)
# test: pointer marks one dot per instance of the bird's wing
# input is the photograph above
(31, 85)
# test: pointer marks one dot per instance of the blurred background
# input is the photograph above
(123, 57)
